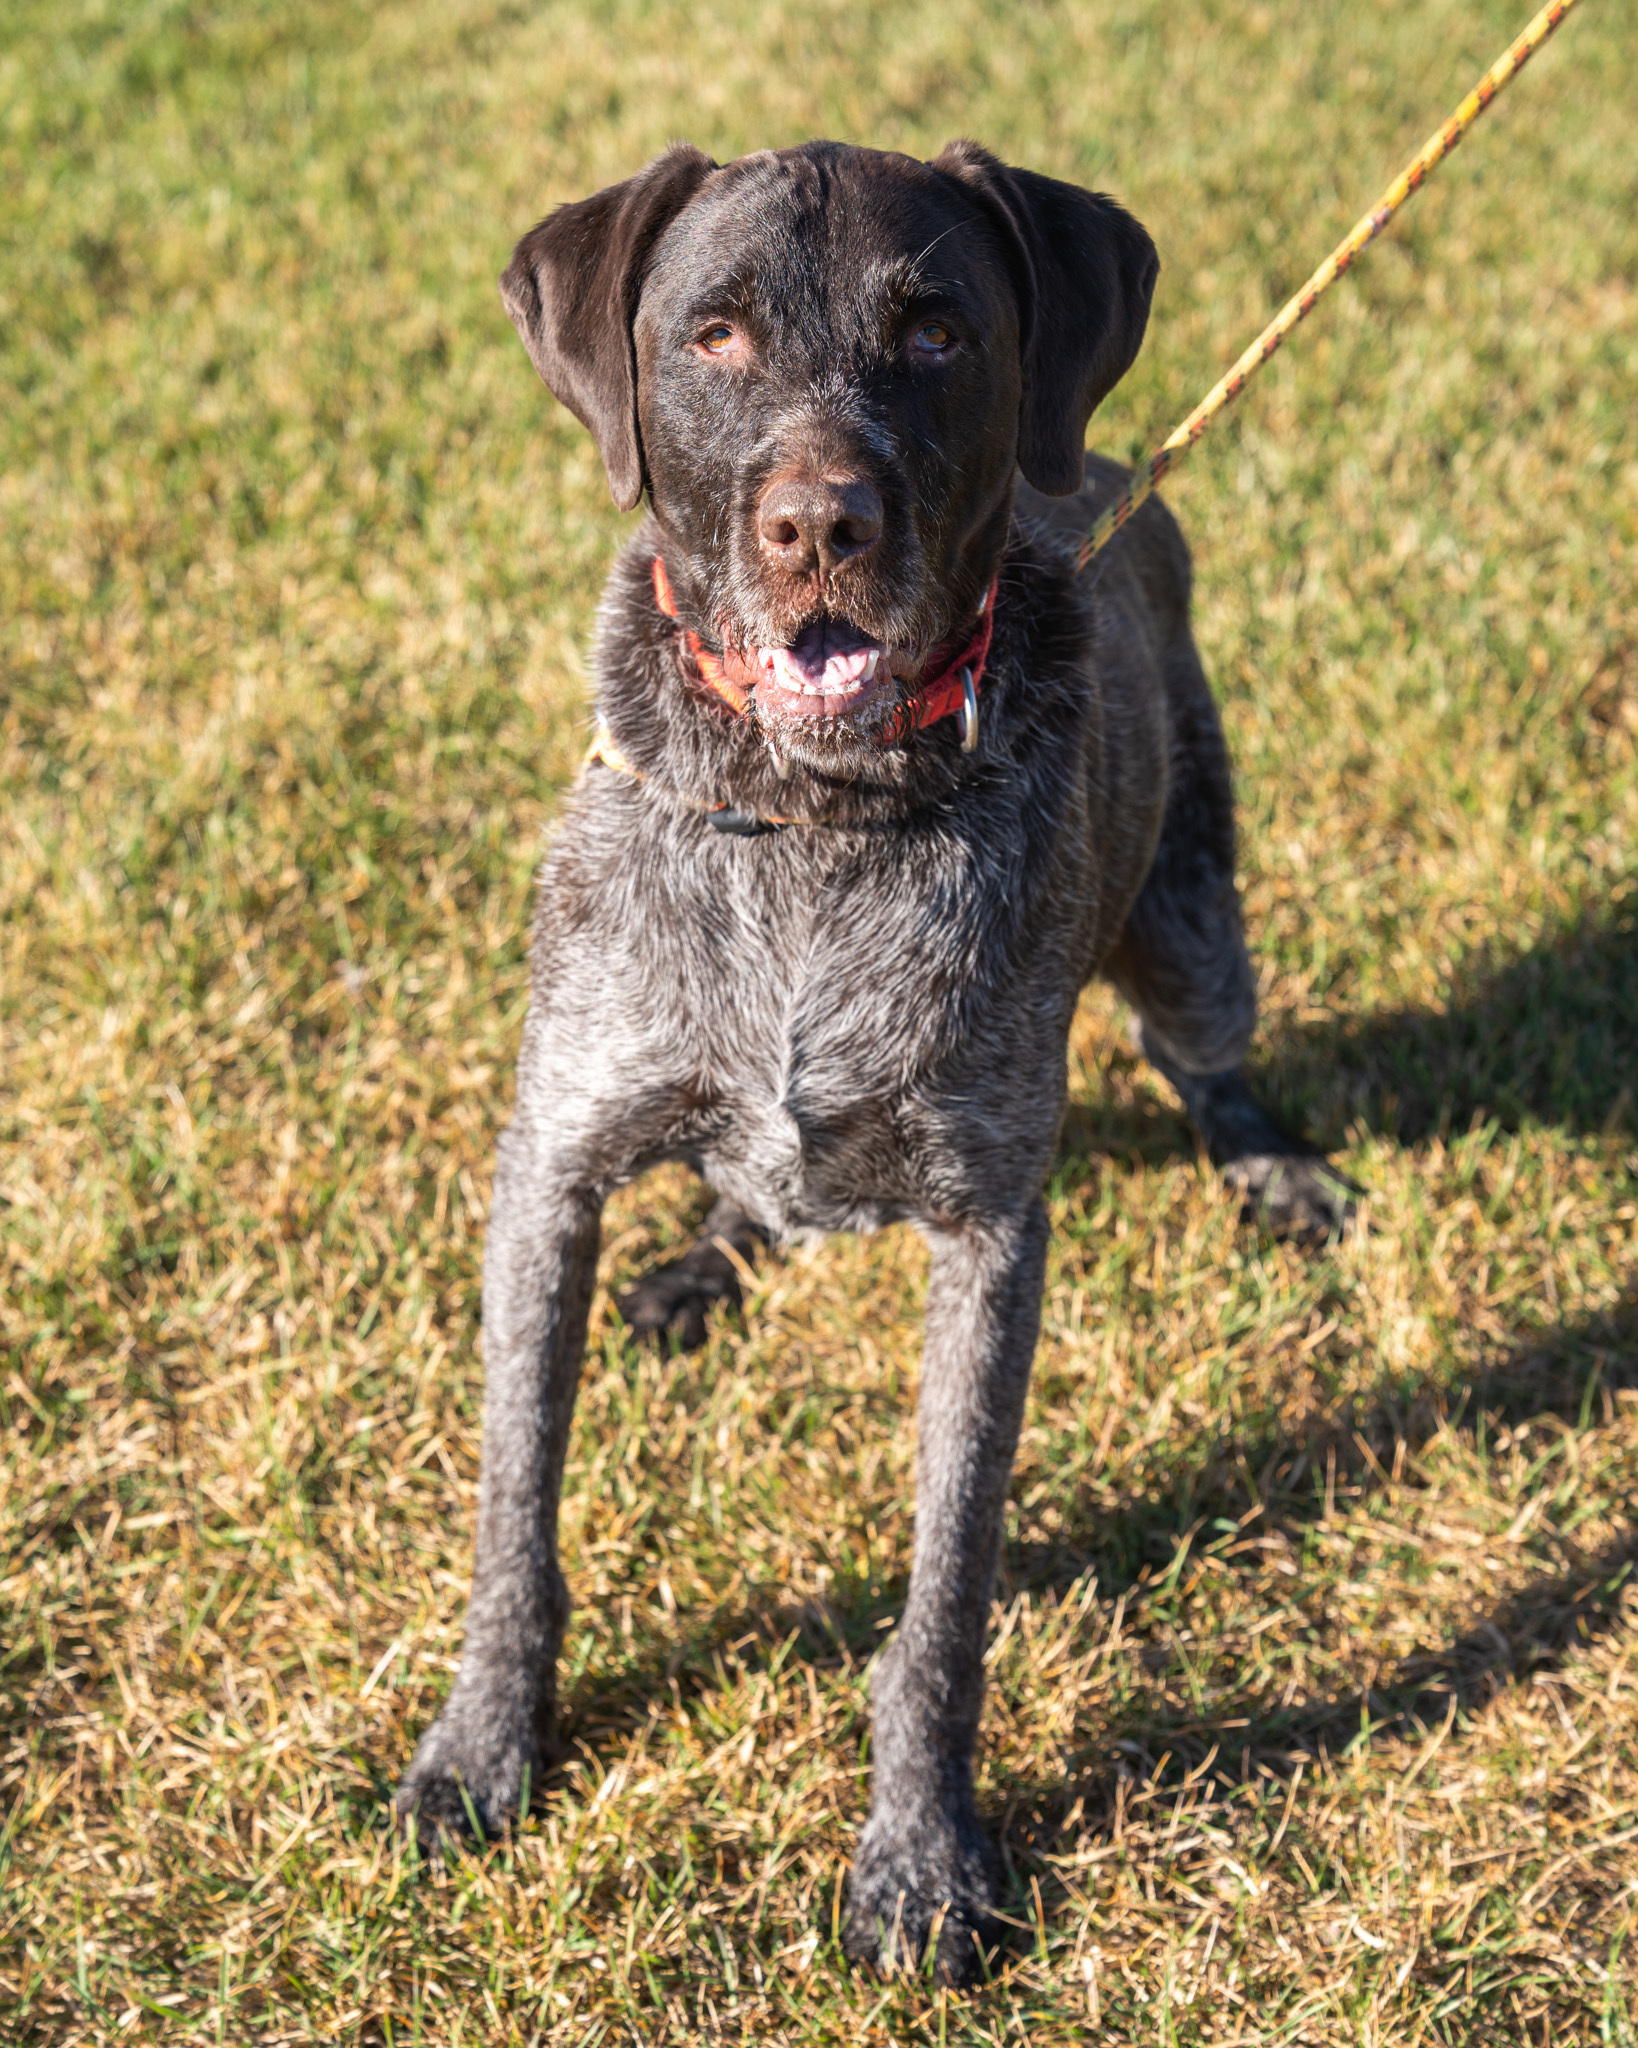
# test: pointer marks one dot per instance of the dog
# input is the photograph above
(882, 780)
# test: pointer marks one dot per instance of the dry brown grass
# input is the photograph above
(1314, 1714)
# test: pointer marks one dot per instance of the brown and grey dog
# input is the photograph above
(825, 369)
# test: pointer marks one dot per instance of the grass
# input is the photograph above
(1314, 1714)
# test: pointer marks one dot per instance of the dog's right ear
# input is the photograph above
(572, 288)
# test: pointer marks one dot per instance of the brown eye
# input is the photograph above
(933, 337)
(717, 339)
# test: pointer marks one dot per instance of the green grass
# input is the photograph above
(1314, 1713)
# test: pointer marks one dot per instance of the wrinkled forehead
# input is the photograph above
(821, 239)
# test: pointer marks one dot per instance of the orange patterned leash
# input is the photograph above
(1109, 523)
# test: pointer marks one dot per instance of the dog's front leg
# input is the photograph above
(540, 1261)
(923, 1861)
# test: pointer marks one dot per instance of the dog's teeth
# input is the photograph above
(871, 662)
(782, 767)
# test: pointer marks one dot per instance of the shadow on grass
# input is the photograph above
(1569, 1375)
(1347, 1445)
(1548, 1036)
(1530, 1631)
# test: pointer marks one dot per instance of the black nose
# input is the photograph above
(810, 523)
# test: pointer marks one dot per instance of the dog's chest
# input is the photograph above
(828, 1026)
(838, 1005)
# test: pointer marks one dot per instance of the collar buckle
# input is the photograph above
(742, 824)
(968, 712)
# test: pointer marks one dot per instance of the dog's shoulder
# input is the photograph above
(1149, 556)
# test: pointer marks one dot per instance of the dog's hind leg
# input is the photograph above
(1283, 1184)
(1181, 962)
(670, 1303)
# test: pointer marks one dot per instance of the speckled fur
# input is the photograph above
(840, 1025)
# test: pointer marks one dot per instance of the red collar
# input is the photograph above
(938, 699)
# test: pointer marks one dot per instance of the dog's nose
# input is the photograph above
(813, 522)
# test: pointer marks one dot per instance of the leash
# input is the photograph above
(1365, 230)
(955, 689)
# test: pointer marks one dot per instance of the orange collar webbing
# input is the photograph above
(955, 687)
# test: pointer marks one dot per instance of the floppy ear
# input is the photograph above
(572, 288)
(1085, 272)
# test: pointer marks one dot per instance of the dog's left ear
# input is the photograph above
(1084, 271)
(572, 289)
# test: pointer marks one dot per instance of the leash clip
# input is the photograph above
(969, 712)
(742, 824)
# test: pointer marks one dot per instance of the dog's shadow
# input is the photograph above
(1239, 1726)
(1349, 1449)
(1243, 1729)
(1547, 1036)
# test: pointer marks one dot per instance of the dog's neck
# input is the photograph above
(951, 692)
(697, 749)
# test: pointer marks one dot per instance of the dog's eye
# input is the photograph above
(932, 338)
(717, 339)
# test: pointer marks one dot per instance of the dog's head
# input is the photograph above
(826, 366)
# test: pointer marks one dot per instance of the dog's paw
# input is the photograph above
(465, 1785)
(928, 1913)
(670, 1304)
(1293, 1195)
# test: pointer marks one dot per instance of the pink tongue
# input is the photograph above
(838, 675)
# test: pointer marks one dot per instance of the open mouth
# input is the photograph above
(833, 672)
(830, 670)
